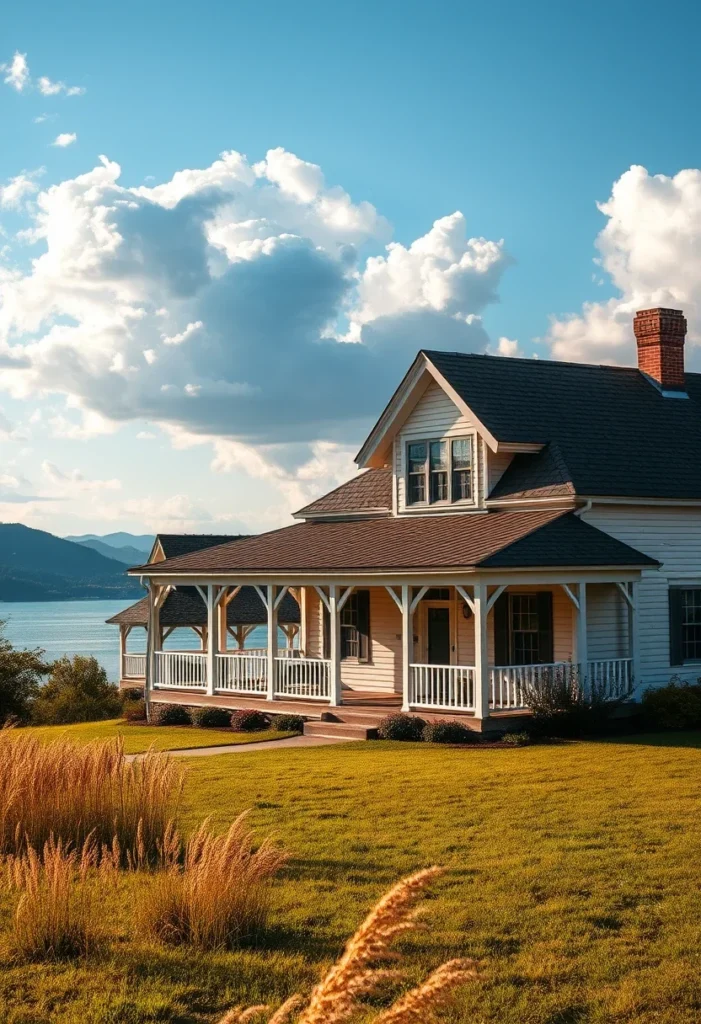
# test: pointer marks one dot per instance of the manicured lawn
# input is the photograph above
(572, 873)
(138, 738)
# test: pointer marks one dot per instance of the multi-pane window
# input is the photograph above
(462, 468)
(416, 483)
(691, 624)
(439, 471)
(350, 637)
(524, 629)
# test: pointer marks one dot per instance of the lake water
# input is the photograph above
(79, 627)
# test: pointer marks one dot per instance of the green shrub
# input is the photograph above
(77, 691)
(211, 718)
(134, 711)
(562, 706)
(675, 706)
(288, 723)
(171, 714)
(131, 695)
(20, 680)
(249, 720)
(401, 727)
(449, 732)
(517, 739)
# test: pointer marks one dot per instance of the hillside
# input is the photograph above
(36, 566)
(127, 555)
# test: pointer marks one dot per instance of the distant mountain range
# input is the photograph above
(128, 548)
(36, 566)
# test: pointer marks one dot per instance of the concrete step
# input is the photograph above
(346, 730)
(354, 717)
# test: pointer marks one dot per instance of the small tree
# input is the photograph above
(20, 679)
(569, 705)
(77, 691)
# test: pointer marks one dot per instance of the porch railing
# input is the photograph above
(134, 666)
(303, 677)
(241, 672)
(180, 670)
(442, 687)
(283, 652)
(612, 677)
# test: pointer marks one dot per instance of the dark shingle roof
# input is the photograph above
(542, 475)
(176, 544)
(408, 542)
(617, 434)
(185, 607)
(370, 491)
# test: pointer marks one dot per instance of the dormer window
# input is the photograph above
(439, 472)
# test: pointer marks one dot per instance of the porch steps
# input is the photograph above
(341, 730)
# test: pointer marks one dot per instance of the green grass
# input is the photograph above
(572, 873)
(138, 738)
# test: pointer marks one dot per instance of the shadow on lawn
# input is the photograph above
(683, 738)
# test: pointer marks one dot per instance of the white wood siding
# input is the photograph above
(672, 535)
(607, 622)
(436, 416)
(497, 464)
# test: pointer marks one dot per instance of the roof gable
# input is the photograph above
(376, 449)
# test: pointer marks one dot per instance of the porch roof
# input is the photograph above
(518, 539)
(185, 607)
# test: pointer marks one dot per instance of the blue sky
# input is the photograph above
(520, 116)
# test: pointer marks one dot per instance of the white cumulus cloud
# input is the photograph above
(48, 88)
(650, 247)
(64, 139)
(16, 72)
(19, 189)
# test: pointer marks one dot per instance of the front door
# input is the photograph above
(438, 636)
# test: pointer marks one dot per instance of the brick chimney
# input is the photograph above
(660, 335)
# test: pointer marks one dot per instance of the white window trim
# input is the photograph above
(449, 504)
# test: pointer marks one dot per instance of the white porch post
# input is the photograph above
(153, 632)
(271, 592)
(212, 637)
(634, 631)
(122, 649)
(407, 646)
(581, 657)
(481, 652)
(335, 694)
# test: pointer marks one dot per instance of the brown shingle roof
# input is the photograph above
(370, 491)
(185, 607)
(408, 542)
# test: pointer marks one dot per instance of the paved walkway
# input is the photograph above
(241, 748)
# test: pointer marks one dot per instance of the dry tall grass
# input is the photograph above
(217, 896)
(59, 909)
(71, 792)
(336, 999)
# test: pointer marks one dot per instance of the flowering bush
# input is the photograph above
(249, 720)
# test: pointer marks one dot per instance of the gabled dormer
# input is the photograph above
(442, 457)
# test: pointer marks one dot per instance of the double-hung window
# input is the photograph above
(684, 624)
(440, 471)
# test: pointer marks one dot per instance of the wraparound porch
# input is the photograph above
(440, 642)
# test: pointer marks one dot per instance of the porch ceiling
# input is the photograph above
(546, 538)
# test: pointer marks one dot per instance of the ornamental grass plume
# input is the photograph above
(58, 915)
(218, 894)
(336, 999)
(70, 791)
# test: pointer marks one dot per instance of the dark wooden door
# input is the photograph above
(438, 636)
